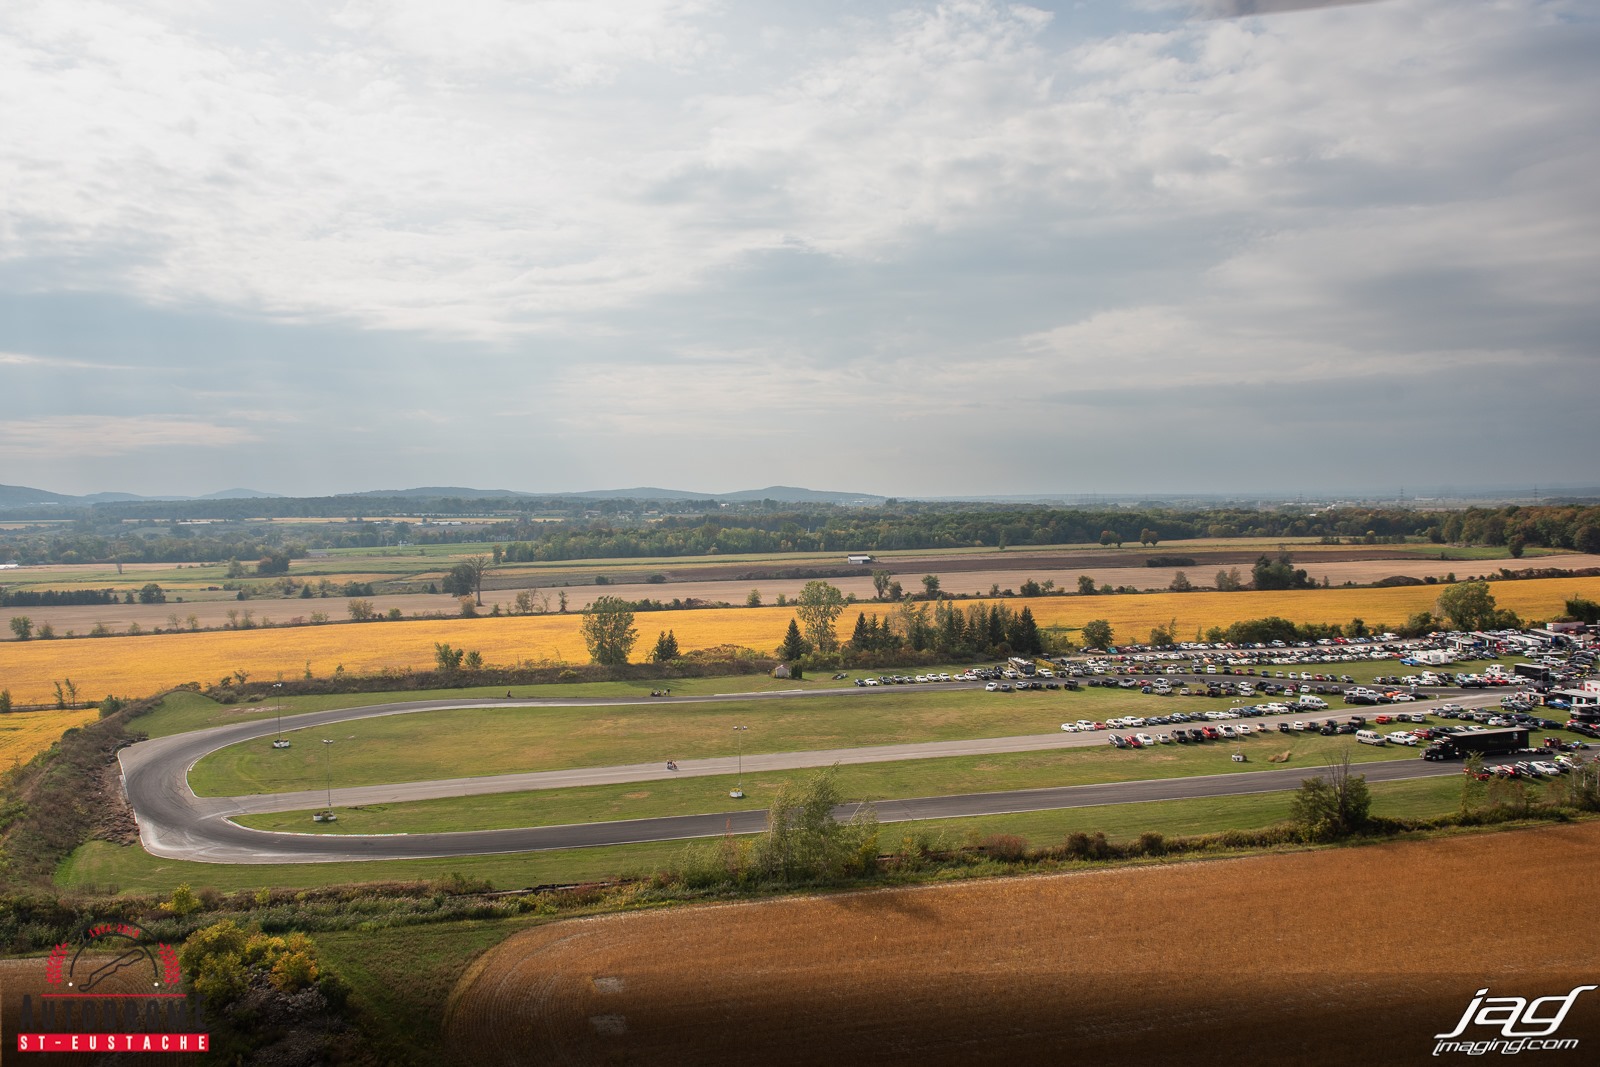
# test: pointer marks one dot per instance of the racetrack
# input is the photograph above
(175, 824)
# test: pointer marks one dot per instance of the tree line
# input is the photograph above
(830, 528)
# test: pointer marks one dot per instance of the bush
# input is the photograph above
(1082, 846)
(1152, 843)
(224, 979)
(1008, 848)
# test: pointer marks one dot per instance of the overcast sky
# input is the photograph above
(897, 247)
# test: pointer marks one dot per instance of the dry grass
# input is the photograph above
(137, 666)
(1329, 957)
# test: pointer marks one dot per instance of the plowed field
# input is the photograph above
(1337, 957)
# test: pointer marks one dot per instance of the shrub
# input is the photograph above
(1152, 843)
(1008, 848)
(223, 980)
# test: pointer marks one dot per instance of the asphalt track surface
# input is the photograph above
(176, 824)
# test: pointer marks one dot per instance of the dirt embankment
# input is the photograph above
(1349, 956)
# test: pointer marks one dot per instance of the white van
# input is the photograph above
(1370, 737)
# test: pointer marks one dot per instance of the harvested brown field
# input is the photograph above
(1332, 957)
(962, 574)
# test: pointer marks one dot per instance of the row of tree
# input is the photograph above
(802, 528)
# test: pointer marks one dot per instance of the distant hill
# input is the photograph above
(789, 494)
(444, 492)
(638, 493)
(16, 496)
(781, 493)
(240, 494)
(21, 496)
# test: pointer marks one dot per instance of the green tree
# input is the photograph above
(1023, 633)
(1279, 573)
(861, 636)
(930, 586)
(477, 567)
(880, 582)
(1086, 585)
(1582, 609)
(361, 610)
(794, 644)
(805, 841)
(1180, 584)
(819, 607)
(473, 661)
(22, 626)
(666, 647)
(1419, 624)
(466, 578)
(1228, 581)
(608, 630)
(5, 702)
(1097, 633)
(1468, 606)
(754, 599)
(151, 593)
(1333, 805)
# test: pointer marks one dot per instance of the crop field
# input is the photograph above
(24, 734)
(137, 666)
(1315, 957)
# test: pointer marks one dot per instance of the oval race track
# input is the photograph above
(176, 824)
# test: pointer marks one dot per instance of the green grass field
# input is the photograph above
(180, 712)
(952, 776)
(505, 740)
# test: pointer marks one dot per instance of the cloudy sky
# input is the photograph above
(900, 247)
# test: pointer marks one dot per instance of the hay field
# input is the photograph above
(137, 666)
(23, 734)
(1330, 957)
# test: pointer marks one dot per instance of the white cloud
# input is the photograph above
(425, 168)
(715, 218)
(22, 359)
(80, 436)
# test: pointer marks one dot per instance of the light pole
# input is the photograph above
(327, 769)
(737, 792)
(278, 701)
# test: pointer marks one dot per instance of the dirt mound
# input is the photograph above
(1229, 962)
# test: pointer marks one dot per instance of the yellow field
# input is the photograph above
(24, 733)
(1132, 617)
(138, 666)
